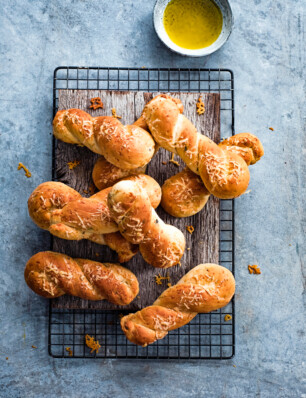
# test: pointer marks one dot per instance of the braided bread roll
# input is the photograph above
(51, 275)
(62, 211)
(205, 288)
(184, 194)
(160, 244)
(223, 172)
(127, 147)
(105, 174)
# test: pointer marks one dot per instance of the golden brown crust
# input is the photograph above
(106, 174)
(161, 245)
(224, 173)
(245, 145)
(51, 275)
(205, 288)
(184, 194)
(127, 147)
(66, 214)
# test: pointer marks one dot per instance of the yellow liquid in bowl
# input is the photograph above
(193, 24)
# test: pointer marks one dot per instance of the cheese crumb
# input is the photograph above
(34, 346)
(68, 349)
(227, 317)
(190, 229)
(92, 343)
(159, 279)
(96, 103)
(200, 106)
(73, 165)
(271, 128)
(174, 161)
(114, 114)
(26, 170)
(254, 269)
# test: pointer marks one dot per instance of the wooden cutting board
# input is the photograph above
(203, 244)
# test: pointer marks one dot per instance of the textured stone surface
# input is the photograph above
(266, 53)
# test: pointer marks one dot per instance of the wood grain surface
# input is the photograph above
(203, 244)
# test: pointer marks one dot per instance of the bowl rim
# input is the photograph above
(200, 52)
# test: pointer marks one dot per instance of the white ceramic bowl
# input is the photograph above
(200, 52)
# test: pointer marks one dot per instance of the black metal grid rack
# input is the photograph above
(207, 336)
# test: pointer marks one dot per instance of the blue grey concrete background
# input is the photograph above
(266, 54)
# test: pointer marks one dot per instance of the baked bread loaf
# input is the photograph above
(105, 174)
(223, 172)
(66, 214)
(160, 244)
(205, 288)
(185, 194)
(51, 275)
(127, 147)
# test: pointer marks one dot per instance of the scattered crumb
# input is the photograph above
(92, 343)
(174, 161)
(26, 170)
(97, 254)
(179, 263)
(254, 269)
(234, 366)
(271, 128)
(96, 103)
(68, 349)
(159, 279)
(6, 358)
(188, 248)
(138, 297)
(33, 346)
(120, 316)
(290, 244)
(246, 192)
(164, 162)
(114, 114)
(227, 317)
(169, 284)
(200, 106)
(85, 191)
(143, 67)
(190, 229)
(73, 165)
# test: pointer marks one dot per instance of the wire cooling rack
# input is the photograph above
(207, 336)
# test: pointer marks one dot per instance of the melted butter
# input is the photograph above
(193, 24)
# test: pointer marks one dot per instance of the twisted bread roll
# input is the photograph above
(105, 174)
(205, 288)
(161, 245)
(224, 173)
(51, 275)
(127, 147)
(66, 214)
(184, 194)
